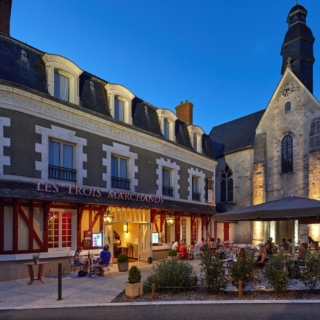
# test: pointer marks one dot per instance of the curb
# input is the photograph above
(159, 303)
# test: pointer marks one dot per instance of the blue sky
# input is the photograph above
(222, 55)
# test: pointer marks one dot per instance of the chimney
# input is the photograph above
(184, 112)
(5, 13)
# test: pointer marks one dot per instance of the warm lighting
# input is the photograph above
(170, 220)
(125, 227)
(107, 217)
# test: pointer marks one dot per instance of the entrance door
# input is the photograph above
(145, 245)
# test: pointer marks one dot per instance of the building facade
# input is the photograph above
(275, 152)
(84, 162)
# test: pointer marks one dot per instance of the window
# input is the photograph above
(167, 120)
(166, 128)
(287, 154)
(62, 78)
(120, 102)
(314, 136)
(61, 161)
(61, 86)
(167, 189)
(195, 189)
(195, 142)
(59, 230)
(195, 135)
(119, 173)
(226, 185)
(118, 109)
(287, 107)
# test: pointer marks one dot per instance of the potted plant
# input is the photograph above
(123, 262)
(172, 254)
(150, 260)
(35, 258)
(133, 288)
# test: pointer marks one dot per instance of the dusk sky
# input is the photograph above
(222, 55)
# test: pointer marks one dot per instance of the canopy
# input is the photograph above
(292, 208)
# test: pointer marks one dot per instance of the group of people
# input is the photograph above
(80, 260)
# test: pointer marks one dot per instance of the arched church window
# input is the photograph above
(226, 185)
(287, 107)
(287, 154)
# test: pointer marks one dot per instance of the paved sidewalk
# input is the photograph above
(83, 291)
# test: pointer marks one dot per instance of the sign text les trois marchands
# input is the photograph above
(96, 192)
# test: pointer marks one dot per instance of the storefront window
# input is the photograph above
(59, 230)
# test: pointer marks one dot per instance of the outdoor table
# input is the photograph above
(40, 265)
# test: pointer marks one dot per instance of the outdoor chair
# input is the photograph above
(195, 252)
(105, 264)
(73, 267)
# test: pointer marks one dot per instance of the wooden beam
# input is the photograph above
(15, 226)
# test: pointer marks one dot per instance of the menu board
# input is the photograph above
(97, 239)
(155, 237)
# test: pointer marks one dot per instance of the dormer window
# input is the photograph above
(120, 102)
(195, 133)
(62, 78)
(167, 121)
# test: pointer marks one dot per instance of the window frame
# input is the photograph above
(60, 172)
(228, 182)
(167, 189)
(65, 67)
(288, 148)
(118, 181)
(115, 91)
(170, 117)
(195, 134)
(285, 109)
(195, 173)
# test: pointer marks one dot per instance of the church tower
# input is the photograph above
(297, 47)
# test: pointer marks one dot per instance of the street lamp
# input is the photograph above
(107, 217)
(170, 220)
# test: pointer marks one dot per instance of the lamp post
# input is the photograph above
(107, 217)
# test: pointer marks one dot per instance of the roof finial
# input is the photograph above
(288, 61)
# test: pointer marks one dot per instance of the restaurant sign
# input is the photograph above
(96, 192)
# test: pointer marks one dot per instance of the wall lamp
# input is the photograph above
(125, 228)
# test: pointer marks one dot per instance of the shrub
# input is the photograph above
(275, 270)
(122, 258)
(172, 253)
(310, 275)
(242, 270)
(134, 275)
(212, 272)
(171, 275)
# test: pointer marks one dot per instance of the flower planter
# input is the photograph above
(123, 266)
(133, 290)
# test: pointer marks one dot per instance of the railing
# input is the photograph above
(167, 191)
(61, 173)
(196, 196)
(120, 183)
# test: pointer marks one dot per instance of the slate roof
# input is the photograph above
(235, 135)
(31, 75)
(297, 7)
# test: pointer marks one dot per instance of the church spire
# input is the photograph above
(298, 46)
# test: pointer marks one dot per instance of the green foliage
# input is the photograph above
(36, 256)
(134, 275)
(172, 253)
(212, 272)
(242, 270)
(122, 258)
(310, 275)
(275, 270)
(175, 274)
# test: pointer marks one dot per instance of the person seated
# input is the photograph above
(284, 245)
(302, 253)
(183, 253)
(175, 245)
(313, 244)
(79, 260)
(211, 243)
(268, 247)
(221, 252)
(261, 259)
(241, 253)
(103, 260)
(201, 242)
